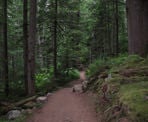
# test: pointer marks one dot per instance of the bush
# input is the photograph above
(72, 73)
(44, 79)
(66, 76)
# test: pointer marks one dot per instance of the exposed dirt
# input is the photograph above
(66, 106)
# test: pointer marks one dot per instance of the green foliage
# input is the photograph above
(65, 76)
(96, 67)
(71, 73)
(81, 30)
(46, 82)
(44, 79)
(117, 61)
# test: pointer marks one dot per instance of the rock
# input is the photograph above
(49, 94)
(13, 114)
(146, 97)
(42, 99)
(109, 77)
(27, 111)
(78, 88)
(23, 110)
(84, 85)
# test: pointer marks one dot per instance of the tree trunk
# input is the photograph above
(31, 48)
(55, 39)
(1, 41)
(25, 36)
(137, 13)
(5, 50)
(117, 27)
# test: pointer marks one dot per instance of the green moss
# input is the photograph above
(133, 95)
(133, 59)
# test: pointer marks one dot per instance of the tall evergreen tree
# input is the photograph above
(137, 12)
(25, 37)
(31, 48)
(55, 38)
(5, 37)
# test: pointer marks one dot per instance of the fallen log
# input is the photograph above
(4, 109)
(22, 102)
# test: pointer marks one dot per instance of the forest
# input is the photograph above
(69, 53)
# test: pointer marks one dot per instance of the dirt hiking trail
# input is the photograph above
(66, 106)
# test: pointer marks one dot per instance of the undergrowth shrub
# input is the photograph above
(67, 75)
(44, 79)
(96, 67)
(71, 73)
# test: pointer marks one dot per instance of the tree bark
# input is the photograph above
(25, 36)
(55, 39)
(137, 13)
(1, 41)
(31, 48)
(5, 50)
(117, 27)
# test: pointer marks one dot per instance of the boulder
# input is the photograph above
(42, 99)
(49, 94)
(84, 84)
(13, 114)
(77, 88)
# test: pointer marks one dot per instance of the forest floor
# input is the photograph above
(67, 106)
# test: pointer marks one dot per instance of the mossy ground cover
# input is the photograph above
(134, 95)
(127, 86)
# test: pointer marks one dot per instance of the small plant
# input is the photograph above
(43, 79)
